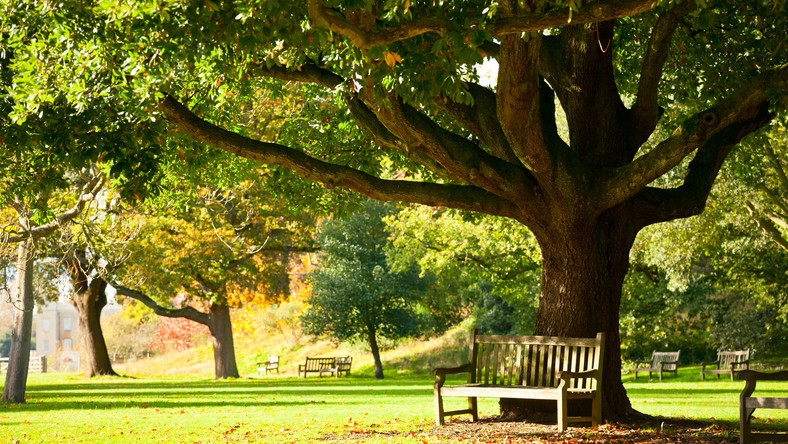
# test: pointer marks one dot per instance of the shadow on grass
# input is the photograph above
(122, 393)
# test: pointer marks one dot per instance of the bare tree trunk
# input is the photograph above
(373, 346)
(221, 329)
(19, 357)
(89, 300)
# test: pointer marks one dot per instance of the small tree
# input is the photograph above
(356, 294)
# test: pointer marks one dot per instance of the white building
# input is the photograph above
(58, 336)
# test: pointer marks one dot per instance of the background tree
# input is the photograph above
(357, 296)
(405, 72)
(30, 229)
(483, 264)
(212, 250)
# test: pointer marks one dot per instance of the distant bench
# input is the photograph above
(268, 366)
(528, 367)
(335, 366)
(728, 362)
(37, 364)
(660, 362)
(748, 404)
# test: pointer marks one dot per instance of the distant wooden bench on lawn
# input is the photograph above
(660, 362)
(268, 366)
(748, 404)
(335, 366)
(728, 362)
(528, 367)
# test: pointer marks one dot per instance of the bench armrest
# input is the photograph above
(465, 368)
(440, 373)
(704, 364)
(637, 363)
(740, 364)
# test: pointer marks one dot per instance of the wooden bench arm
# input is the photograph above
(440, 373)
(637, 363)
(465, 368)
(738, 364)
(704, 364)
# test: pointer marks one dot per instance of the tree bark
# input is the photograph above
(583, 270)
(373, 346)
(19, 357)
(89, 300)
(221, 329)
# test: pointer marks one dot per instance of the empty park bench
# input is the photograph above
(335, 366)
(37, 364)
(527, 367)
(748, 404)
(728, 362)
(268, 366)
(660, 362)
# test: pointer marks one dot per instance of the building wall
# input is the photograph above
(58, 336)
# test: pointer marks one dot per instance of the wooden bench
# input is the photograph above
(728, 362)
(748, 404)
(660, 362)
(527, 367)
(37, 364)
(268, 366)
(335, 366)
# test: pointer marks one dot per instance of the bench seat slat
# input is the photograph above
(511, 391)
(767, 403)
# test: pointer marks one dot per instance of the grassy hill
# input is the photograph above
(407, 357)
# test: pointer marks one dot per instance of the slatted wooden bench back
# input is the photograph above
(727, 358)
(670, 358)
(532, 360)
(316, 364)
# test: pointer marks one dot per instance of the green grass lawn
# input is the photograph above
(68, 408)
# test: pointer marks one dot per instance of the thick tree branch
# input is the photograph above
(518, 101)
(741, 108)
(463, 159)
(365, 39)
(454, 196)
(653, 205)
(646, 110)
(87, 194)
(592, 12)
(481, 120)
(189, 313)
(306, 73)
(777, 165)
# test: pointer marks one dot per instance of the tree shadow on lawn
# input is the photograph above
(113, 394)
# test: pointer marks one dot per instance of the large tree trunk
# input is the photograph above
(221, 329)
(583, 270)
(89, 300)
(373, 346)
(19, 357)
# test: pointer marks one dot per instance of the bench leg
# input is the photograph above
(473, 406)
(596, 409)
(745, 415)
(660, 375)
(563, 413)
(438, 407)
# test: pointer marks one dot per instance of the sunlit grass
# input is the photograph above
(69, 408)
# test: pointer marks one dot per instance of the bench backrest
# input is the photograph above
(273, 360)
(534, 360)
(728, 357)
(671, 357)
(315, 364)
